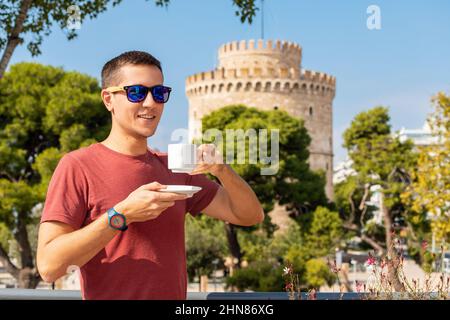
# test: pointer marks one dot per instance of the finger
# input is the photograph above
(199, 169)
(153, 186)
(156, 210)
(218, 158)
(204, 150)
(193, 173)
(200, 154)
(209, 152)
(170, 196)
(166, 204)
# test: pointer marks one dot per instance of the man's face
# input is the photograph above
(127, 115)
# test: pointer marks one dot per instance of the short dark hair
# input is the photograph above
(110, 71)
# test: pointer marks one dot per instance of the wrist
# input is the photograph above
(122, 209)
(222, 170)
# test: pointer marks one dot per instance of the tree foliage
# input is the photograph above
(304, 247)
(383, 166)
(44, 113)
(205, 246)
(430, 191)
(294, 185)
(29, 21)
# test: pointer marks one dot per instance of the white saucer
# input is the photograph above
(189, 190)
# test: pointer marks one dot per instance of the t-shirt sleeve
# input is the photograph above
(67, 194)
(203, 198)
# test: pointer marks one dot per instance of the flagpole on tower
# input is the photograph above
(262, 19)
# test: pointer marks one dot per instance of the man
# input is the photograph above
(103, 211)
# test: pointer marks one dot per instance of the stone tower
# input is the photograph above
(268, 75)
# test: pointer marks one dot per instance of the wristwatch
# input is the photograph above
(117, 220)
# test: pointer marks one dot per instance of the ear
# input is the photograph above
(107, 98)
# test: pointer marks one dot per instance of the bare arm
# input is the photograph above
(235, 202)
(60, 246)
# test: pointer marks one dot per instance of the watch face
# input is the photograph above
(117, 222)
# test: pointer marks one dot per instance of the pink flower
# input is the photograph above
(371, 261)
(424, 245)
(289, 286)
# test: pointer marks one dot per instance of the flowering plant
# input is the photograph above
(380, 285)
(292, 284)
(387, 280)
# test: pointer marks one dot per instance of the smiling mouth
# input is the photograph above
(146, 117)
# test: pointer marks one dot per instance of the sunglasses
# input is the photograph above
(138, 93)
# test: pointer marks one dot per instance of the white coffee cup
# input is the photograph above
(182, 158)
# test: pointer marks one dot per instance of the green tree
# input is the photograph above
(325, 232)
(263, 276)
(305, 248)
(430, 191)
(381, 161)
(44, 113)
(318, 273)
(350, 198)
(205, 246)
(318, 241)
(294, 185)
(264, 256)
(33, 19)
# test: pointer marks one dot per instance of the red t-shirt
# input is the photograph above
(147, 261)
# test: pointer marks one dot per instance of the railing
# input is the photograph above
(42, 294)
(36, 294)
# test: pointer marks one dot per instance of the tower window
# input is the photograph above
(310, 111)
(275, 107)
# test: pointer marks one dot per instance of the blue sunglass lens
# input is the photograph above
(160, 94)
(137, 93)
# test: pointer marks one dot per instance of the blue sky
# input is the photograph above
(400, 66)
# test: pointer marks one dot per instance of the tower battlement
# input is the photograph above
(319, 77)
(268, 75)
(258, 53)
(260, 46)
(221, 81)
(275, 73)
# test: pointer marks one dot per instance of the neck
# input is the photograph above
(126, 144)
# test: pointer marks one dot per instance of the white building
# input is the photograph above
(342, 171)
(420, 137)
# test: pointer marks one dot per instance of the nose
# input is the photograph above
(149, 102)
